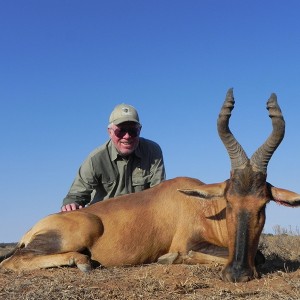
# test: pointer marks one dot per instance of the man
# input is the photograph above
(125, 164)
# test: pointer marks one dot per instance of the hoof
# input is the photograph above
(167, 259)
(86, 268)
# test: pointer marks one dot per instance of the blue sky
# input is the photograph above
(64, 65)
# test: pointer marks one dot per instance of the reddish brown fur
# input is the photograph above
(132, 229)
(159, 223)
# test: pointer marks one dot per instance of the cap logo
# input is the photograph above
(126, 111)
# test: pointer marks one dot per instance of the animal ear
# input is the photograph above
(206, 191)
(285, 197)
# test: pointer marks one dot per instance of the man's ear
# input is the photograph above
(109, 131)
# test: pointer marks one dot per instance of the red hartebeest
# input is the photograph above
(179, 221)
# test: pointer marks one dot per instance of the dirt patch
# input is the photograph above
(280, 279)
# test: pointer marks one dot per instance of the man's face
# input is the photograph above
(125, 137)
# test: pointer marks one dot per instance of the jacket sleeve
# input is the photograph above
(157, 170)
(83, 185)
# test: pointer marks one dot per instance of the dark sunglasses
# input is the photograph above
(120, 132)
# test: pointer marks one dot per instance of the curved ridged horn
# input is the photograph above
(236, 153)
(263, 154)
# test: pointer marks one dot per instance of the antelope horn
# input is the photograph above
(236, 153)
(263, 154)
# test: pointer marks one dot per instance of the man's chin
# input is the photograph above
(126, 152)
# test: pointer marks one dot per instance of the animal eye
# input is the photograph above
(228, 204)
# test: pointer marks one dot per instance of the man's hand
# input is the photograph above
(69, 207)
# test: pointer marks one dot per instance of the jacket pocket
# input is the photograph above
(140, 183)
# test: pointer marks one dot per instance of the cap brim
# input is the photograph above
(125, 119)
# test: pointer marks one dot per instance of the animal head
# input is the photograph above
(247, 192)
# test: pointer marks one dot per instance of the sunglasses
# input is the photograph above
(120, 132)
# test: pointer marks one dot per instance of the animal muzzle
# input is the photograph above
(238, 273)
(241, 265)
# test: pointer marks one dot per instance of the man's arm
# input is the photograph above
(82, 187)
(157, 171)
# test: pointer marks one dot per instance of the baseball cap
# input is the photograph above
(124, 113)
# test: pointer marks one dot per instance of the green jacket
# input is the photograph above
(105, 174)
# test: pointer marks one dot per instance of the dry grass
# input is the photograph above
(280, 279)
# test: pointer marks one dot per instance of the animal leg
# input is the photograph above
(168, 259)
(191, 258)
(194, 257)
(31, 261)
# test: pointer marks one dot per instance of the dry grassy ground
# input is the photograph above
(280, 279)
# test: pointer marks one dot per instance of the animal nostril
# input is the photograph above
(237, 274)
